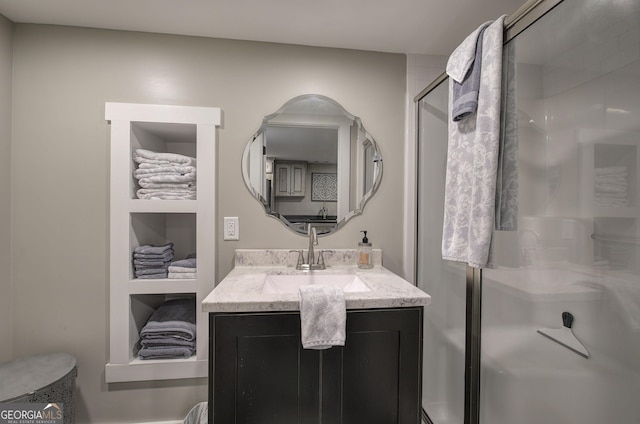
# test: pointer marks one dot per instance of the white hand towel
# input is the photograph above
(323, 317)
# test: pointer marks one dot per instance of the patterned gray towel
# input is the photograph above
(472, 164)
(323, 317)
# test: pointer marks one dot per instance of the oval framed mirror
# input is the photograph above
(312, 163)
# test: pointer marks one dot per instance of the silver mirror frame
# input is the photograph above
(369, 142)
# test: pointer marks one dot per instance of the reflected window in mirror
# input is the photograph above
(312, 162)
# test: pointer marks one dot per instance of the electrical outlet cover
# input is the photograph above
(231, 229)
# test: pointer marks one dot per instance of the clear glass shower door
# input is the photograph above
(576, 249)
(444, 319)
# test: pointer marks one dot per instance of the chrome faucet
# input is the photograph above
(312, 262)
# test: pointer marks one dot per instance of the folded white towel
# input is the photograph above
(147, 194)
(179, 269)
(612, 203)
(152, 165)
(611, 195)
(169, 178)
(323, 317)
(164, 170)
(611, 170)
(172, 186)
(142, 155)
(182, 275)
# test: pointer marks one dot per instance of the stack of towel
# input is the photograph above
(170, 332)
(152, 261)
(185, 268)
(167, 176)
(611, 186)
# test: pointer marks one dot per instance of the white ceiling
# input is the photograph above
(398, 26)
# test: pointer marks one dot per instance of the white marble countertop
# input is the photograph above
(241, 289)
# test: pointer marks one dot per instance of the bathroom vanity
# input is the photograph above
(259, 371)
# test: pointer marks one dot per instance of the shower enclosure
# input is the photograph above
(577, 247)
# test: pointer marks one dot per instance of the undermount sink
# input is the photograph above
(349, 283)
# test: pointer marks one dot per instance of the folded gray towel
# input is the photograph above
(151, 249)
(185, 263)
(152, 276)
(182, 309)
(465, 94)
(175, 318)
(148, 263)
(167, 341)
(177, 329)
(147, 271)
(159, 268)
(168, 352)
(168, 255)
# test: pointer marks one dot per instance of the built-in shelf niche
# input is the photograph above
(160, 228)
(141, 307)
(161, 137)
(189, 224)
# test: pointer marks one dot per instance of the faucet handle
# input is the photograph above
(300, 257)
(321, 257)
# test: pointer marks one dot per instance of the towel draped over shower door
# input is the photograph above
(476, 152)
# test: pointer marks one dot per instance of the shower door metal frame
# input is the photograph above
(517, 22)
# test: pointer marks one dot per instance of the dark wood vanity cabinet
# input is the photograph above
(260, 374)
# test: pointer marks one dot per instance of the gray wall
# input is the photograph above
(60, 146)
(6, 42)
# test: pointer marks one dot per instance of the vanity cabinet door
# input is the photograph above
(260, 372)
(376, 377)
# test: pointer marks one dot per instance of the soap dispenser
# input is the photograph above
(365, 254)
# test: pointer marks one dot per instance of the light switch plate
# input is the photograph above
(231, 228)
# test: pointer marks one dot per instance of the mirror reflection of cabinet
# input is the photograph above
(318, 132)
(290, 179)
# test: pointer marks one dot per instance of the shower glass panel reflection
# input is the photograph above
(577, 247)
(444, 320)
(578, 101)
